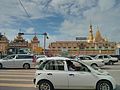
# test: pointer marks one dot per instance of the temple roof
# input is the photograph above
(3, 38)
(19, 38)
(35, 39)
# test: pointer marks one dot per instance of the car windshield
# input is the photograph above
(9, 57)
(41, 65)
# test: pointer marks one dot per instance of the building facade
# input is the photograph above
(34, 46)
(91, 46)
(3, 44)
(19, 45)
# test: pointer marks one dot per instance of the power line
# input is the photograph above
(24, 8)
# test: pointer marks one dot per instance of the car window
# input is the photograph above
(100, 57)
(9, 57)
(55, 65)
(105, 56)
(50, 65)
(42, 65)
(59, 65)
(24, 57)
(81, 58)
(88, 58)
(76, 66)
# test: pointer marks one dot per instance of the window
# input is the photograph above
(55, 65)
(42, 65)
(9, 57)
(87, 58)
(81, 58)
(59, 65)
(24, 57)
(50, 65)
(106, 56)
(100, 57)
(76, 66)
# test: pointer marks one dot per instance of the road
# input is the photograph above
(20, 79)
(16, 79)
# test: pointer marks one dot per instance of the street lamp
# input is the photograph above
(45, 37)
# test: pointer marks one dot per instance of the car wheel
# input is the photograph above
(111, 63)
(26, 66)
(94, 65)
(45, 85)
(1, 66)
(104, 85)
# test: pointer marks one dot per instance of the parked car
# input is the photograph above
(91, 61)
(107, 59)
(40, 56)
(54, 73)
(39, 60)
(116, 56)
(17, 61)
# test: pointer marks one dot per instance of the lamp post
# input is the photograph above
(45, 37)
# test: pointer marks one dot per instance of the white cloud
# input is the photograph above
(30, 30)
(106, 4)
(70, 28)
(99, 12)
(9, 33)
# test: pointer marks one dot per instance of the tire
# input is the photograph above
(111, 63)
(104, 85)
(1, 66)
(26, 66)
(94, 65)
(45, 85)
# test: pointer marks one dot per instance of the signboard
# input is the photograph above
(81, 38)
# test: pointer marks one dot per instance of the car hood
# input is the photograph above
(98, 71)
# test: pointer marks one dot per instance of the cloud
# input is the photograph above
(77, 15)
(70, 28)
(30, 30)
(106, 4)
(9, 33)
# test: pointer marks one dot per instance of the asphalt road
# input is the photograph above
(20, 79)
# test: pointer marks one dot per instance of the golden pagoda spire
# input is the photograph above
(90, 35)
(98, 37)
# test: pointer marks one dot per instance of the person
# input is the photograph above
(71, 66)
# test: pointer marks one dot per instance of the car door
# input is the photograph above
(56, 73)
(9, 61)
(87, 60)
(81, 78)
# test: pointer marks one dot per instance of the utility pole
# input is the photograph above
(45, 37)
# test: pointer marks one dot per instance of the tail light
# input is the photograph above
(34, 59)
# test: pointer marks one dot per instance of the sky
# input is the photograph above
(61, 19)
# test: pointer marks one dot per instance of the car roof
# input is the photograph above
(55, 58)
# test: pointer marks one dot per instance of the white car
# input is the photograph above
(55, 73)
(107, 59)
(17, 61)
(39, 60)
(40, 56)
(91, 61)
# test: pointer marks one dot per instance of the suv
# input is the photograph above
(107, 59)
(17, 61)
(55, 73)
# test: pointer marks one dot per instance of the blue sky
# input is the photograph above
(61, 19)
